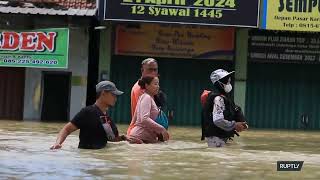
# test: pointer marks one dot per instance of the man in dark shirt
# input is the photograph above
(96, 127)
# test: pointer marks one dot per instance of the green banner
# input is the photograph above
(40, 48)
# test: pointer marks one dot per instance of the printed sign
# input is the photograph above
(208, 12)
(292, 15)
(46, 48)
(284, 46)
(178, 41)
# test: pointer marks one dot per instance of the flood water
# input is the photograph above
(25, 154)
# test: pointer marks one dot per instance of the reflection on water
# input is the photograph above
(25, 154)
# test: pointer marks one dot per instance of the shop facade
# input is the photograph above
(44, 80)
(188, 47)
(283, 68)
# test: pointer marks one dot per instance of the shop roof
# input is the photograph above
(50, 7)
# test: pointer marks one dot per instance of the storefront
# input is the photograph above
(43, 69)
(283, 70)
(184, 42)
(186, 56)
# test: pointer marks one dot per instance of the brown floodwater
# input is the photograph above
(25, 154)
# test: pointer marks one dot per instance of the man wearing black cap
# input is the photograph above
(93, 121)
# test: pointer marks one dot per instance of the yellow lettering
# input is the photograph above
(160, 2)
(184, 12)
(164, 12)
(150, 1)
(157, 2)
(173, 12)
(180, 2)
(230, 3)
(220, 3)
(151, 10)
(198, 3)
(157, 11)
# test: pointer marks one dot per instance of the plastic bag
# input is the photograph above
(162, 119)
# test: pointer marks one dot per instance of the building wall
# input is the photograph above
(105, 52)
(77, 65)
(182, 79)
(241, 61)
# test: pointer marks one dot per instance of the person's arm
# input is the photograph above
(218, 117)
(239, 114)
(119, 138)
(65, 131)
(143, 115)
(115, 131)
(133, 102)
(136, 92)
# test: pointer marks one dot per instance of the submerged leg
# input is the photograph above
(215, 142)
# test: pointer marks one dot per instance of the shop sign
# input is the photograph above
(206, 12)
(43, 48)
(176, 41)
(291, 15)
(284, 47)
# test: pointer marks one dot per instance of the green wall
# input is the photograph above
(241, 67)
(278, 95)
(105, 50)
(183, 80)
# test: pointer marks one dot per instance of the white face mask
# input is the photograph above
(227, 88)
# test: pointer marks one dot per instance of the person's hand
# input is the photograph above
(119, 138)
(123, 137)
(133, 140)
(246, 126)
(165, 135)
(56, 146)
(240, 126)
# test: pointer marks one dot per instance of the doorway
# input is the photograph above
(11, 93)
(55, 96)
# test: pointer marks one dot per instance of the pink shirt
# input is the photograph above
(145, 128)
(136, 92)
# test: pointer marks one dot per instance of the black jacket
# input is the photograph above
(231, 113)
